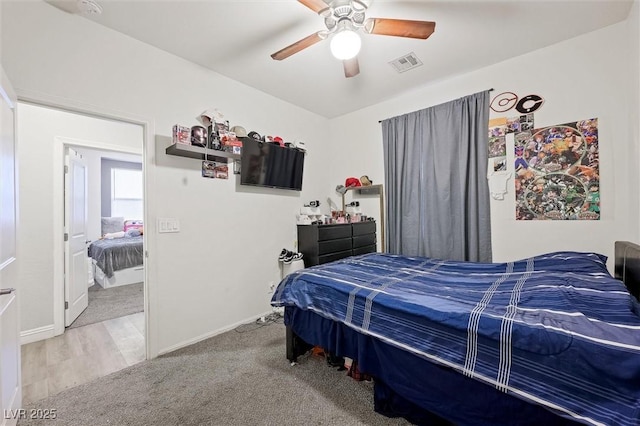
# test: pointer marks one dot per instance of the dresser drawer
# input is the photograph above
(331, 246)
(362, 228)
(333, 256)
(364, 240)
(333, 232)
(363, 250)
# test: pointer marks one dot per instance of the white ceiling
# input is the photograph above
(236, 38)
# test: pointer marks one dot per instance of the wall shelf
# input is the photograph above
(199, 153)
(370, 190)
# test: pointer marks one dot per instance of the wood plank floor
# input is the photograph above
(81, 355)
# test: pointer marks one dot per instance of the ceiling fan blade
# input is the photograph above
(316, 5)
(351, 67)
(400, 27)
(297, 46)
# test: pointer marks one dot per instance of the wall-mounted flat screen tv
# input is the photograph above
(270, 165)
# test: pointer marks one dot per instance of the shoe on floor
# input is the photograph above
(291, 257)
(283, 254)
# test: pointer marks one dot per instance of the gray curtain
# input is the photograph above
(435, 164)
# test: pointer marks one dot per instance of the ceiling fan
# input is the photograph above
(343, 19)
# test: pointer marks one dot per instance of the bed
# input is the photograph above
(553, 339)
(117, 258)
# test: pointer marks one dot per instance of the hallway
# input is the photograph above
(81, 355)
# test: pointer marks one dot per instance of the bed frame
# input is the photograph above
(122, 277)
(627, 266)
(627, 269)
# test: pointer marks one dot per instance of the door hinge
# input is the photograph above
(66, 236)
(66, 305)
(66, 169)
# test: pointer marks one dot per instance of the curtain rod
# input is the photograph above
(490, 90)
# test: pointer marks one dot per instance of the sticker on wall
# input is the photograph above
(215, 170)
(529, 104)
(497, 146)
(520, 124)
(497, 141)
(499, 164)
(557, 173)
(497, 122)
(505, 101)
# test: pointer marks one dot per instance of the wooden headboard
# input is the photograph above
(627, 266)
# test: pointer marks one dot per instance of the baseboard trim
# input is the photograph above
(212, 334)
(37, 334)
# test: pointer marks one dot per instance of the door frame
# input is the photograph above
(148, 171)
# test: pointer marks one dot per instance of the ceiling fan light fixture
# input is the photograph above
(345, 44)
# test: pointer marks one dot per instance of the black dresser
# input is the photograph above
(325, 243)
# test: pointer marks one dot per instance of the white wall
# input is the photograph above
(38, 129)
(216, 271)
(581, 78)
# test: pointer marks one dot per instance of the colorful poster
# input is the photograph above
(497, 141)
(497, 146)
(557, 172)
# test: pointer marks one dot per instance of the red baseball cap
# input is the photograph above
(352, 181)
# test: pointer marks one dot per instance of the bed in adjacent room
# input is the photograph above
(118, 256)
(553, 339)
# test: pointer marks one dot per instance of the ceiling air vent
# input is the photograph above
(406, 62)
(89, 7)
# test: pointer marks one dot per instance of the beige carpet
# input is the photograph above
(115, 302)
(231, 379)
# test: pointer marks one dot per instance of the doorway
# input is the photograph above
(69, 359)
(110, 235)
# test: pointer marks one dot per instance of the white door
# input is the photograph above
(10, 386)
(75, 246)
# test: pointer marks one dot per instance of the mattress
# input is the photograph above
(116, 254)
(555, 330)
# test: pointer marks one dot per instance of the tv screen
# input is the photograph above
(267, 164)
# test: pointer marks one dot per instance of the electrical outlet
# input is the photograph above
(295, 244)
(272, 286)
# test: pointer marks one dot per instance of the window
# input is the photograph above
(126, 193)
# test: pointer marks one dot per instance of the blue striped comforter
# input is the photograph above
(554, 329)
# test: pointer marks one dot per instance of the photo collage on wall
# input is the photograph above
(557, 174)
(499, 128)
(215, 170)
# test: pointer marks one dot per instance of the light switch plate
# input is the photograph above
(168, 224)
